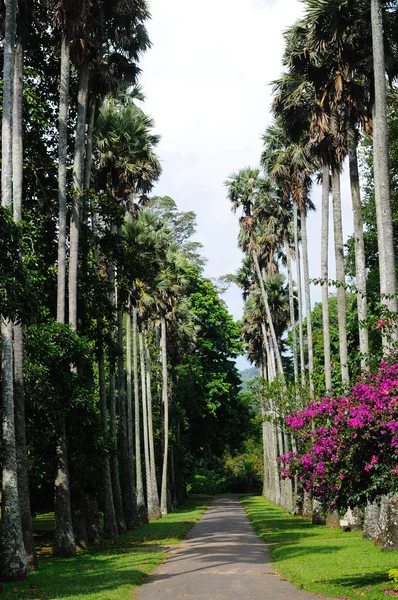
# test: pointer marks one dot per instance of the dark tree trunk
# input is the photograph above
(19, 392)
(110, 525)
(93, 521)
(64, 540)
(12, 551)
(126, 467)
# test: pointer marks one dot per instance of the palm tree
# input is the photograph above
(19, 389)
(256, 336)
(168, 289)
(381, 161)
(110, 523)
(290, 166)
(13, 557)
(68, 17)
(127, 167)
(153, 509)
(137, 431)
(335, 32)
(301, 112)
(146, 238)
(242, 191)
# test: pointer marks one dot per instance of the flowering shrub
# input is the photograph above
(348, 446)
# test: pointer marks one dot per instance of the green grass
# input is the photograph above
(320, 560)
(107, 572)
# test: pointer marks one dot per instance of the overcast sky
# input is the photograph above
(207, 85)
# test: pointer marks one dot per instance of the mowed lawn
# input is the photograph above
(107, 572)
(324, 561)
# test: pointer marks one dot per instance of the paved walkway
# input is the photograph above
(221, 559)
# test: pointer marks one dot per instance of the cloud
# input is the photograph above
(206, 80)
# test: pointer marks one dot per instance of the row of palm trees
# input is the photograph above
(332, 91)
(131, 256)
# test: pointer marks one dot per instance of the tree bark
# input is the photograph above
(12, 552)
(129, 398)
(325, 278)
(385, 232)
(165, 400)
(360, 266)
(126, 467)
(64, 539)
(89, 145)
(78, 180)
(93, 522)
(264, 296)
(110, 524)
(114, 462)
(22, 459)
(372, 515)
(340, 276)
(62, 160)
(150, 507)
(300, 295)
(307, 293)
(154, 487)
(291, 308)
(19, 391)
(138, 464)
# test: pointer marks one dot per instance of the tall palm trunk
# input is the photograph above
(110, 525)
(273, 449)
(150, 507)
(12, 552)
(268, 483)
(385, 232)
(279, 452)
(19, 390)
(138, 465)
(89, 144)
(78, 179)
(264, 296)
(62, 160)
(299, 294)
(114, 463)
(129, 395)
(360, 267)
(154, 487)
(291, 308)
(64, 543)
(64, 539)
(307, 293)
(165, 400)
(325, 278)
(62, 486)
(340, 276)
(126, 467)
(288, 481)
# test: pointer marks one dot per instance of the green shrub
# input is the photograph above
(393, 574)
(207, 482)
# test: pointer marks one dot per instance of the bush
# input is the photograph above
(207, 482)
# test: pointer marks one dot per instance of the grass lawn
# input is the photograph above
(320, 560)
(107, 572)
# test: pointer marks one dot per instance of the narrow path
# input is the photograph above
(221, 559)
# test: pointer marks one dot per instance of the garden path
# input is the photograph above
(222, 558)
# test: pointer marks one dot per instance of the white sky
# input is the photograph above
(206, 81)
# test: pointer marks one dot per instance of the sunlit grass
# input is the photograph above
(324, 561)
(110, 571)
